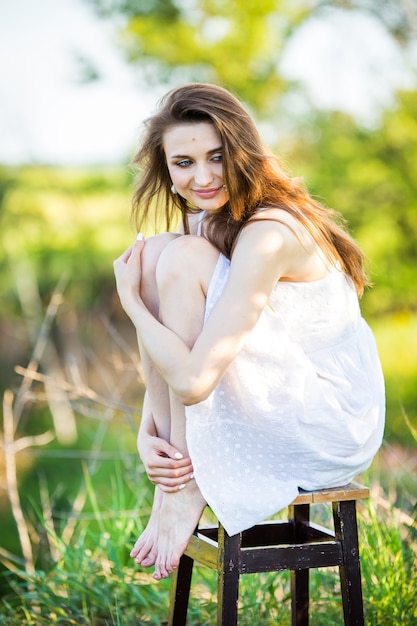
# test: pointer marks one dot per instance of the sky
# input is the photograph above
(47, 115)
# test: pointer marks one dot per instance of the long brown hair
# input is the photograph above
(252, 174)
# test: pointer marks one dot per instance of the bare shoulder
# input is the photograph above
(299, 256)
(284, 228)
(282, 218)
(265, 247)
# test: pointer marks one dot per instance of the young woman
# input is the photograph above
(262, 377)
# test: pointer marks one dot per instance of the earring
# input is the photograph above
(174, 191)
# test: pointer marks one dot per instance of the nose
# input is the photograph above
(203, 175)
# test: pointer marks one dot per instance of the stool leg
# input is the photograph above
(180, 592)
(346, 529)
(299, 578)
(228, 571)
(299, 597)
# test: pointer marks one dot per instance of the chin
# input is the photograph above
(217, 206)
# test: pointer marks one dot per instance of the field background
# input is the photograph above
(70, 360)
(73, 494)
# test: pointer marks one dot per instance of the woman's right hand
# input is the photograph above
(164, 464)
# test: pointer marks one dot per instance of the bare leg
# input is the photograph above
(144, 550)
(184, 272)
(156, 387)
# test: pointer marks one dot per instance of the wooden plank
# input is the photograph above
(304, 497)
(203, 551)
(212, 532)
(352, 491)
(296, 556)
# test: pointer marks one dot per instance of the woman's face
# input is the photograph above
(194, 155)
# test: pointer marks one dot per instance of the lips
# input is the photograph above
(206, 193)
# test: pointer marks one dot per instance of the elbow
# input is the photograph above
(194, 399)
(193, 393)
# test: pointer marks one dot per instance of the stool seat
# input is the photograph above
(294, 544)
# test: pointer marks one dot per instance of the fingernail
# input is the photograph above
(181, 487)
(178, 456)
(191, 476)
(139, 237)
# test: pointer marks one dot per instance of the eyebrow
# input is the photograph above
(186, 156)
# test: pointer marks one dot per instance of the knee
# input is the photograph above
(183, 258)
(152, 250)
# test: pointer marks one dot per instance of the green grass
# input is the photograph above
(92, 580)
(82, 573)
(388, 559)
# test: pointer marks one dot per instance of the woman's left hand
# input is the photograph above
(128, 273)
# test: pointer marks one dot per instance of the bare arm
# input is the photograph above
(164, 465)
(263, 254)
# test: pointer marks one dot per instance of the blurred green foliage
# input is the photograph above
(237, 43)
(64, 222)
(75, 221)
(366, 173)
(58, 222)
(369, 176)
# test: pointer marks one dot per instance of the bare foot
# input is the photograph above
(178, 518)
(144, 550)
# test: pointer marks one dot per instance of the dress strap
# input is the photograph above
(200, 222)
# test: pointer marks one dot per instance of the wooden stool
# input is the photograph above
(295, 544)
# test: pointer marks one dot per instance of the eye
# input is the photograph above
(184, 163)
(218, 158)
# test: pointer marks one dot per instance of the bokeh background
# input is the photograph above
(333, 87)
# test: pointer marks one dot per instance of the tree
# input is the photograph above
(398, 16)
(369, 175)
(365, 173)
(235, 43)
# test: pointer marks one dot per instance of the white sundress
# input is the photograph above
(301, 406)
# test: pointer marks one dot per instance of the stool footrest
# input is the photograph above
(271, 533)
(203, 551)
(291, 557)
(272, 551)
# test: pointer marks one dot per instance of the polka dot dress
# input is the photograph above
(301, 406)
